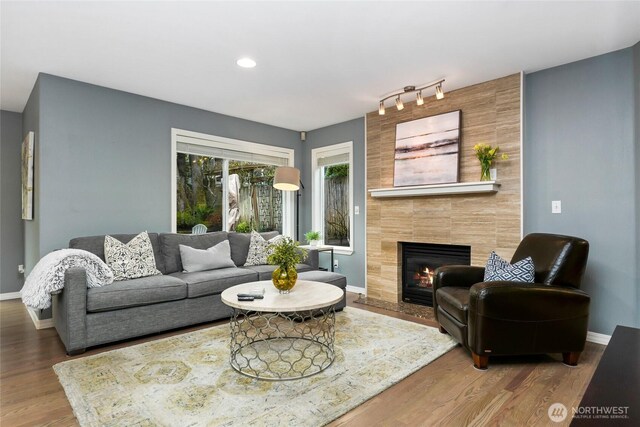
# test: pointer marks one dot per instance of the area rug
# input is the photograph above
(186, 380)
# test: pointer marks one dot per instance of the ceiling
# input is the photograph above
(319, 63)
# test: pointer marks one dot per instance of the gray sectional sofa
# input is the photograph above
(88, 317)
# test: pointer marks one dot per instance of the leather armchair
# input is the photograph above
(514, 318)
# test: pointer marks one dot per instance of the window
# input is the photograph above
(333, 195)
(227, 184)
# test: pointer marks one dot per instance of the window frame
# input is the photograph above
(220, 142)
(317, 189)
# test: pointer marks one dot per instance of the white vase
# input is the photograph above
(313, 243)
(493, 174)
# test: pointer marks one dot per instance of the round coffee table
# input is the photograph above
(283, 336)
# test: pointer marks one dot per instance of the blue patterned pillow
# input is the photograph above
(498, 268)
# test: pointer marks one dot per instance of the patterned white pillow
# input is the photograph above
(135, 259)
(258, 249)
(498, 268)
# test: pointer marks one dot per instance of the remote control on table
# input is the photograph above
(245, 298)
(256, 296)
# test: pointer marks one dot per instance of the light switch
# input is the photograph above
(556, 206)
(356, 210)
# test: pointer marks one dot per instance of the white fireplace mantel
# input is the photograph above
(437, 189)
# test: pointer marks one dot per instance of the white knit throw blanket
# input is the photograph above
(47, 276)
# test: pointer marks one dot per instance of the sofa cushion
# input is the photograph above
(213, 282)
(170, 244)
(95, 245)
(217, 256)
(240, 245)
(455, 301)
(130, 260)
(135, 292)
(264, 271)
(325, 277)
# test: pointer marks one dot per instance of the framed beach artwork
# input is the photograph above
(427, 150)
(27, 177)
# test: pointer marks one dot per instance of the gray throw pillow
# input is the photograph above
(259, 249)
(132, 260)
(218, 256)
(498, 268)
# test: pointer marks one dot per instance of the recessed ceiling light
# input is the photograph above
(246, 62)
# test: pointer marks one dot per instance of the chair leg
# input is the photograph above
(442, 330)
(571, 358)
(480, 362)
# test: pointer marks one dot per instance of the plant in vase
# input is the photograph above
(312, 237)
(285, 253)
(487, 154)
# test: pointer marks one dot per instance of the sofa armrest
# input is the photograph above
(457, 275)
(534, 302)
(70, 310)
(312, 259)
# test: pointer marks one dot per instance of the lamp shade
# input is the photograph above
(286, 178)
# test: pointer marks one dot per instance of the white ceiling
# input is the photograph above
(319, 63)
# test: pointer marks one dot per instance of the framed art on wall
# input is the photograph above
(427, 150)
(27, 177)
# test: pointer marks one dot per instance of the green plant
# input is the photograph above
(243, 227)
(285, 253)
(312, 235)
(337, 171)
(486, 153)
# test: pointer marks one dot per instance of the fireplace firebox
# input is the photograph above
(419, 262)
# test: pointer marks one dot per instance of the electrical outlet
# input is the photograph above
(556, 206)
(335, 264)
(356, 210)
(21, 269)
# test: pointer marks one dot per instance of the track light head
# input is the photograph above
(381, 108)
(419, 100)
(399, 104)
(439, 92)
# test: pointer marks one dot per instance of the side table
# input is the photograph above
(321, 249)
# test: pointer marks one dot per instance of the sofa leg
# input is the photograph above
(442, 330)
(571, 358)
(76, 352)
(480, 362)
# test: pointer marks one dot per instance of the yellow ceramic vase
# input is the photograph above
(284, 278)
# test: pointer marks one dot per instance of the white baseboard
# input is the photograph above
(598, 338)
(39, 323)
(357, 290)
(9, 295)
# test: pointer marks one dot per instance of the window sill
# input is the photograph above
(342, 251)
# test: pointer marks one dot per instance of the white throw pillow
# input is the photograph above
(499, 269)
(218, 256)
(258, 249)
(130, 261)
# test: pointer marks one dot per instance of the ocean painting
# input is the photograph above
(427, 150)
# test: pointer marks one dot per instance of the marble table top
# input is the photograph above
(305, 295)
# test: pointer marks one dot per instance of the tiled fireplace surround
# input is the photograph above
(491, 114)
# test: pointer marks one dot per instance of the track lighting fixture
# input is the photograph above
(411, 89)
(399, 104)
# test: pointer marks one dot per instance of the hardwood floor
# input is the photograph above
(449, 391)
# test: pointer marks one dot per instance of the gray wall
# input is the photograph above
(11, 224)
(353, 266)
(636, 78)
(579, 142)
(105, 159)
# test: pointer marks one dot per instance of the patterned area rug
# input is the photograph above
(186, 379)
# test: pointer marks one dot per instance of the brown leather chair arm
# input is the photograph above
(527, 301)
(457, 275)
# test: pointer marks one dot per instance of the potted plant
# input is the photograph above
(312, 237)
(486, 154)
(243, 227)
(285, 253)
